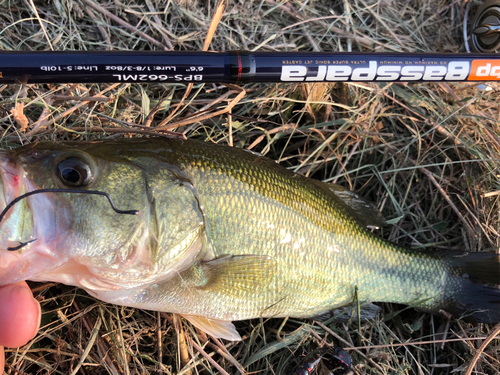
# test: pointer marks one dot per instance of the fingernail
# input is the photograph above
(39, 308)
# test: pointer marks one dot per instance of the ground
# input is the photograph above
(426, 154)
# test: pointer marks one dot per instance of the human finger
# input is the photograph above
(19, 315)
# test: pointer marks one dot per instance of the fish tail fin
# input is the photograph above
(476, 294)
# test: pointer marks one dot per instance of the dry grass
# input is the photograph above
(425, 153)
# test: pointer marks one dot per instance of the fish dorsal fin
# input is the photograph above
(236, 274)
(362, 210)
(216, 328)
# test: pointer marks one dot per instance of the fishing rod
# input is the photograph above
(244, 66)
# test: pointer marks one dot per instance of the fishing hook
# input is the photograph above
(93, 192)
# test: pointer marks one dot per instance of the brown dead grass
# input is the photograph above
(427, 154)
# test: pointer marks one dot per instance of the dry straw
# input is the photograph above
(427, 154)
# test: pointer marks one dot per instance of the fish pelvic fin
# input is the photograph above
(476, 293)
(238, 274)
(216, 328)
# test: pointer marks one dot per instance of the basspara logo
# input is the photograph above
(432, 70)
(485, 70)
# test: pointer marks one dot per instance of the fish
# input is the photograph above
(216, 234)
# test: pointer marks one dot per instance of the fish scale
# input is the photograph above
(305, 284)
(224, 234)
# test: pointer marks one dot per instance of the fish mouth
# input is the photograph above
(16, 225)
(28, 230)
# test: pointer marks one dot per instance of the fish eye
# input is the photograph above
(74, 172)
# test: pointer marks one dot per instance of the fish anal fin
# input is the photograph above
(234, 274)
(216, 328)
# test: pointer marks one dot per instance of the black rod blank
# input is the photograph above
(243, 66)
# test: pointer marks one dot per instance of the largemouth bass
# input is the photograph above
(215, 234)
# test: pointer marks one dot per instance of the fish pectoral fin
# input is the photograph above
(233, 274)
(216, 328)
